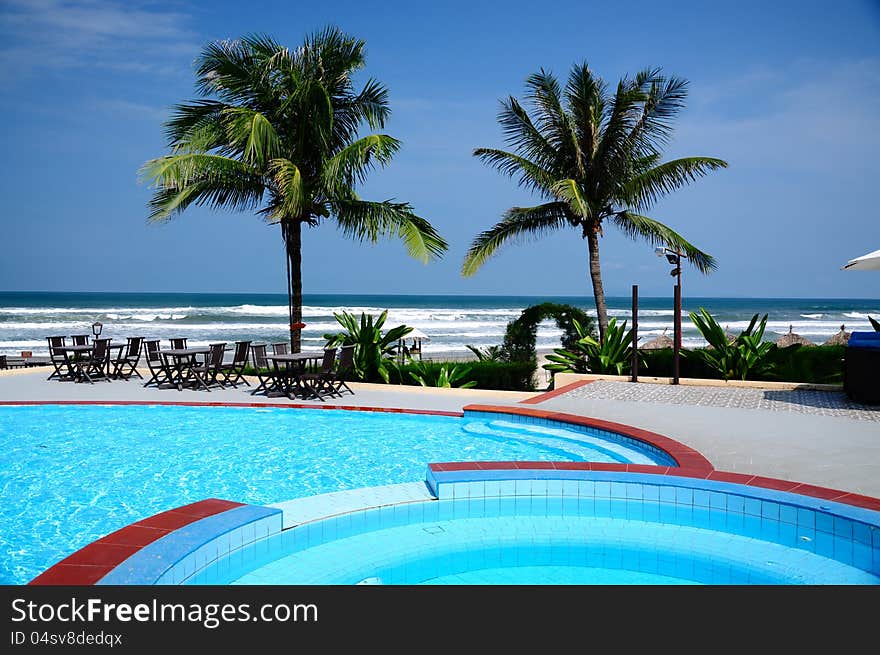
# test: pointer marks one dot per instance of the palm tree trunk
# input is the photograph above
(291, 231)
(596, 277)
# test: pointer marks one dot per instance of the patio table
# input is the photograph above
(179, 361)
(288, 368)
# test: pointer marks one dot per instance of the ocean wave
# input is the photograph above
(815, 316)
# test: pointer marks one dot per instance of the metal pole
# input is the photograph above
(676, 349)
(635, 333)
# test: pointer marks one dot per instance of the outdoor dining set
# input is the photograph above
(304, 375)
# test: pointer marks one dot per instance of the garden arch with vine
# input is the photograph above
(519, 339)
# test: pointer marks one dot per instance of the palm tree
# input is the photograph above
(276, 130)
(592, 157)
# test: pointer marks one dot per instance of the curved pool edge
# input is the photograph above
(216, 530)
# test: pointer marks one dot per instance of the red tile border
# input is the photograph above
(91, 563)
(547, 395)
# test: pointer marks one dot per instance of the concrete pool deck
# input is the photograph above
(780, 440)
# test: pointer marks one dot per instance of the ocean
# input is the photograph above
(451, 322)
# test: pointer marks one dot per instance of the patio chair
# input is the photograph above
(178, 343)
(204, 375)
(96, 365)
(263, 370)
(319, 384)
(237, 365)
(125, 364)
(58, 358)
(80, 339)
(159, 372)
(343, 369)
(282, 348)
(3, 363)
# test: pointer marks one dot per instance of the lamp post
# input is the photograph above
(96, 329)
(674, 258)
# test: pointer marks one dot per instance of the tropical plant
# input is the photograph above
(374, 351)
(487, 354)
(276, 130)
(747, 355)
(612, 355)
(593, 157)
(445, 376)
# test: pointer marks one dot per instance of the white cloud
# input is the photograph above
(110, 34)
(806, 117)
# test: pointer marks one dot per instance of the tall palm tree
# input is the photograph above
(593, 157)
(276, 131)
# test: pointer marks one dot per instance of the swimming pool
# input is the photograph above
(506, 524)
(76, 473)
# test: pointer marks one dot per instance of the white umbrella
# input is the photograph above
(869, 262)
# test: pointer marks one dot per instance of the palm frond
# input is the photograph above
(517, 223)
(196, 125)
(290, 188)
(568, 191)
(585, 95)
(521, 134)
(532, 176)
(368, 221)
(664, 98)
(552, 121)
(658, 234)
(251, 134)
(351, 165)
(181, 180)
(648, 186)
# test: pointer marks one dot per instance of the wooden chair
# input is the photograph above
(282, 348)
(237, 366)
(96, 365)
(344, 368)
(178, 343)
(317, 385)
(80, 339)
(263, 370)
(159, 373)
(204, 375)
(126, 362)
(58, 358)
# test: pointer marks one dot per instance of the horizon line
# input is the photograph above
(434, 294)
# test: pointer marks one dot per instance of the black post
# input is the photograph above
(676, 346)
(635, 333)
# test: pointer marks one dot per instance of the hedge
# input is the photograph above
(505, 376)
(814, 364)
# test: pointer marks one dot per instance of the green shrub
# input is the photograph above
(506, 376)
(446, 375)
(613, 356)
(745, 357)
(814, 364)
(374, 351)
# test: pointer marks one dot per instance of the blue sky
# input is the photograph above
(788, 93)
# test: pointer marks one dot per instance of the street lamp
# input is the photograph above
(96, 329)
(674, 258)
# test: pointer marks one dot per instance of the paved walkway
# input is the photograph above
(823, 403)
(793, 435)
(807, 437)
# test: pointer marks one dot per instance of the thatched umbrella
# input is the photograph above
(659, 342)
(839, 339)
(791, 339)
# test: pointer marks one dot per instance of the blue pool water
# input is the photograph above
(556, 540)
(72, 474)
